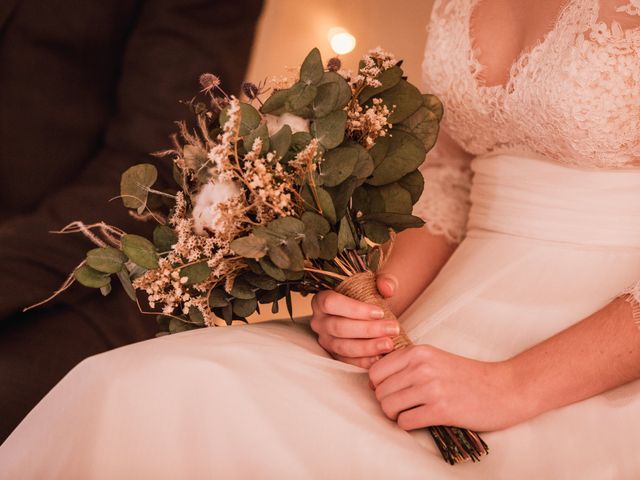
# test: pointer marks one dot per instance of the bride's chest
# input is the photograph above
(574, 96)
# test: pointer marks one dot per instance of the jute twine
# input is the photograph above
(362, 287)
(455, 444)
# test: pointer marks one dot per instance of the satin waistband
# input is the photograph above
(532, 197)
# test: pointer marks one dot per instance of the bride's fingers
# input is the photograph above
(362, 362)
(357, 348)
(405, 399)
(347, 328)
(391, 385)
(421, 416)
(333, 303)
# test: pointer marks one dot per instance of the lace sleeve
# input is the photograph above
(444, 204)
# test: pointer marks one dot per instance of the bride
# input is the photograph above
(520, 295)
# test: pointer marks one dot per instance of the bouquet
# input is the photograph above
(295, 189)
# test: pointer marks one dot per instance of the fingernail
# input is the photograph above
(392, 330)
(385, 345)
(392, 283)
(377, 313)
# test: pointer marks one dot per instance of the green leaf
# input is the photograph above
(281, 141)
(279, 257)
(341, 195)
(326, 99)
(275, 104)
(338, 165)
(406, 153)
(397, 221)
(364, 166)
(389, 78)
(164, 238)
(311, 243)
(218, 298)
(434, 104)
(413, 182)
(244, 307)
(242, 289)
(261, 132)
(376, 232)
(125, 280)
(135, 183)
(345, 236)
(250, 118)
(295, 256)
(300, 140)
(263, 282)
(106, 259)
(91, 278)
(195, 315)
(177, 326)
(286, 226)
(196, 273)
(300, 95)
(329, 130)
(316, 223)
(380, 149)
(396, 199)
(344, 90)
(424, 124)
(325, 203)
(402, 100)
(329, 246)
(270, 269)
(250, 246)
(140, 251)
(312, 69)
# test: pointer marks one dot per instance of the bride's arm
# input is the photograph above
(423, 386)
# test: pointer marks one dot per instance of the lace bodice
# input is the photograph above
(573, 97)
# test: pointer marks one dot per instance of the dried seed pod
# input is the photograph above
(334, 64)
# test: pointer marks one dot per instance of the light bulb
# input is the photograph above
(342, 42)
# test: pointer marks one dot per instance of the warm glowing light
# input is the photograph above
(342, 42)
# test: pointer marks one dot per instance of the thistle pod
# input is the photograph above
(250, 89)
(334, 64)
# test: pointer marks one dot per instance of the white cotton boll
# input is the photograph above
(297, 124)
(205, 211)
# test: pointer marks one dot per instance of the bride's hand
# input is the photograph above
(422, 386)
(353, 331)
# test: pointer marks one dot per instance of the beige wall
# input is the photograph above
(288, 29)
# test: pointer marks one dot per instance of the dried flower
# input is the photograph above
(206, 210)
(334, 64)
(209, 81)
(251, 90)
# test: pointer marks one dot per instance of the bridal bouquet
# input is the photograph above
(295, 189)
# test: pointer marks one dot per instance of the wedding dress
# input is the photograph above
(538, 180)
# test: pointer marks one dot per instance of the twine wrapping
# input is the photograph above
(455, 444)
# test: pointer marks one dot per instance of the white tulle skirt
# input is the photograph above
(547, 245)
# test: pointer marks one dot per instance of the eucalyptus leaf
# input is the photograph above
(261, 132)
(341, 195)
(218, 298)
(311, 244)
(242, 289)
(380, 149)
(91, 278)
(413, 182)
(177, 326)
(338, 165)
(164, 238)
(312, 68)
(275, 104)
(322, 201)
(424, 124)
(396, 199)
(279, 257)
(434, 104)
(344, 90)
(397, 221)
(281, 141)
(406, 153)
(376, 232)
(195, 315)
(135, 183)
(125, 281)
(402, 100)
(263, 282)
(244, 307)
(250, 118)
(329, 246)
(389, 78)
(296, 258)
(250, 246)
(286, 226)
(196, 273)
(272, 270)
(316, 223)
(346, 241)
(329, 130)
(106, 259)
(326, 99)
(140, 251)
(300, 95)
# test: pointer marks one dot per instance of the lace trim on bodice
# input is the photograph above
(574, 97)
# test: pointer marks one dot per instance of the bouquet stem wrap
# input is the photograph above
(455, 444)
